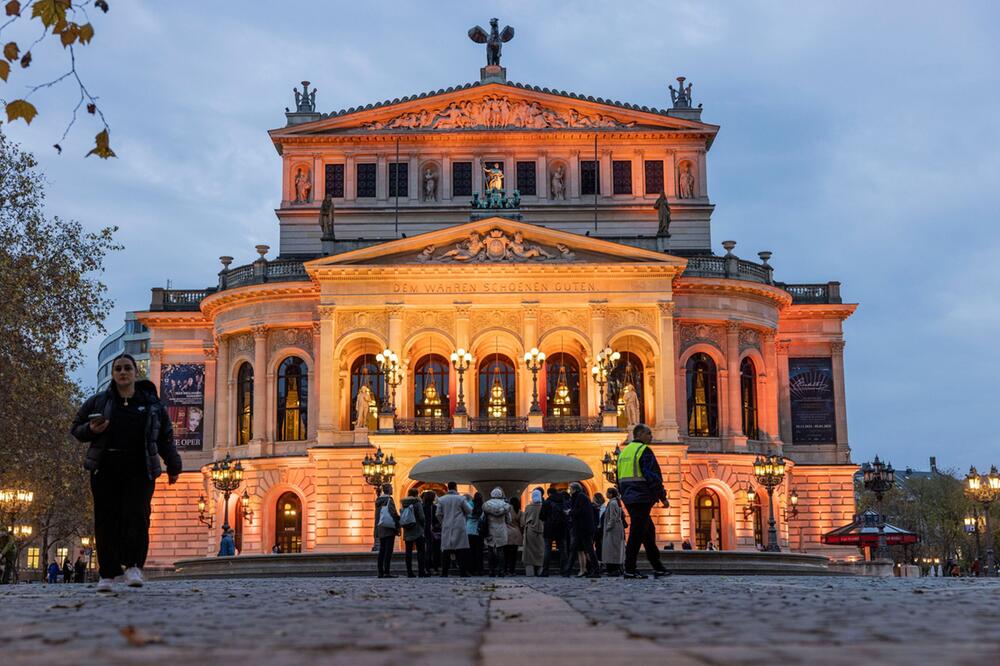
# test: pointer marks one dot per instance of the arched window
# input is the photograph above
(365, 372)
(430, 386)
(758, 522)
(708, 519)
(497, 387)
(244, 404)
(293, 395)
(238, 524)
(702, 397)
(562, 390)
(628, 372)
(748, 397)
(288, 523)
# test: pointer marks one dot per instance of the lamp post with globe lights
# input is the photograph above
(770, 472)
(610, 465)
(378, 470)
(879, 478)
(226, 477)
(533, 360)
(388, 362)
(461, 360)
(985, 489)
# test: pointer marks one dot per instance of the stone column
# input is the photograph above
(665, 429)
(769, 387)
(606, 179)
(701, 186)
(734, 413)
(598, 314)
(155, 362)
(542, 175)
(259, 387)
(839, 399)
(327, 377)
(477, 174)
(784, 399)
(381, 178)
(639, 174)
(350, 178)
(573, 186)
(530, 333)
(312, 414)
(212, 394)
(414, 179)
(286, 181)
(395, 315)
(319, 179)
(670, 174)
(222, 394)
(444, 189)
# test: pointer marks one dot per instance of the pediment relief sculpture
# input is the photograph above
(495, 246)
(495, 112)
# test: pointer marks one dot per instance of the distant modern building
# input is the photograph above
(132, 338)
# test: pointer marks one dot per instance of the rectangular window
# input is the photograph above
(654, 176)
(335, 180)
(526, 178)
(34, 559)
(398, 179)
(61, 555)
(366, 179)
(461, 179)
(621, 176)
(137, 347)
(590, 177)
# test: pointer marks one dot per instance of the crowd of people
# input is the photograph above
(586, 535)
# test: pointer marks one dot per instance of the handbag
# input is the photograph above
(407, 517)
(385, 518)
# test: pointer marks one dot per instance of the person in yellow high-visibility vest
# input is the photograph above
(641, 486)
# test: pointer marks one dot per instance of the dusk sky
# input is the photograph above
(859, 142)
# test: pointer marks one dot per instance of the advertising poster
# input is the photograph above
(182, 390)
(810, 383)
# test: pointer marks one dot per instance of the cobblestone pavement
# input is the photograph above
(679, 620)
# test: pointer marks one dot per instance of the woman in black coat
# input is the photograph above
(128, 430)
(581, 514)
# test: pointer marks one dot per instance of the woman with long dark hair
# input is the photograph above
(128, 430)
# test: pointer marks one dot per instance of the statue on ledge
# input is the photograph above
(662, 207)
(303, 186)
(558, 184)
(430, 185)
(493, 39)
(326, 218)
(362, 405)
(494, 178)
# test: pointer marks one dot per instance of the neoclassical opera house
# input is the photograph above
(595, 235)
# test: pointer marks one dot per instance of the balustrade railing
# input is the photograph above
(502, 424)
(571, 424)
(728, 267)
(819, 293)
(423, 425)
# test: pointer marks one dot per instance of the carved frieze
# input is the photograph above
(691, 334)
(495, 246)
(483, 319)
(749, 339)
(414, 320)
(291, 337)
(240, 344)
(496, 111)
(578, 318)
(618, 319)
(372, 320)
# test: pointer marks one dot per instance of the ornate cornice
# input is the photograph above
(694, 285)
(212, 304)
(813, 311)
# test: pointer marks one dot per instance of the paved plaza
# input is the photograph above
(681, 620)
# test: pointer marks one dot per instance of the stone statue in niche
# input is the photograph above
(303, 186)
(494, 177)
(662, 207)
(326, 215)
(685, 182)
(559, 184)
(362, 405)
(430, 185)
(631, 408)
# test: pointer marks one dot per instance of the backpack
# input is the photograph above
(407, 517)
(385, 518)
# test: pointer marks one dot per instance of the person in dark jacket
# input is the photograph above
(386, 534)
(413, 533)
(432, 532)
(128, 431)
(553, 517)
(581, 513)
(79, 569)
(53, 572)
(67, 571)
(227, 545)
(641, 485)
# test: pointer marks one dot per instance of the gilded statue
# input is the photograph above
(494, 177)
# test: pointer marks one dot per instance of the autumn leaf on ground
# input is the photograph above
(13, 8)
(101, 146)
(4, 69)
(50, 11)
(10, 51)
(19, 108)
(138, 637)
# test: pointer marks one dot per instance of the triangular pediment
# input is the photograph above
(497, 241)
(492, 106)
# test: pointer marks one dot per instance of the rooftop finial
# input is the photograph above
(682, 96)
(305, 101)
(494, 40)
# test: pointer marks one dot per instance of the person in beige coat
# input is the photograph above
(452, 510)
(613, 545)
(532, 529)
(515, 536)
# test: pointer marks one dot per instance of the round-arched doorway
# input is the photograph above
(707, 519)
(288, 523)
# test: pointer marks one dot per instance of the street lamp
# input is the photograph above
(533, 361)
(793, 499)
(378, 470)
(610, 465)
(770, 472)
(460, 360)
(605, 363)
(22, 531)
(879, 478)
(245, 504)
(388, 362)
(226, 477)
(751, 507)
(984, 489)
(203, 516)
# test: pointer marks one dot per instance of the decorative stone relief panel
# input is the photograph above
(749, 339)
(694, 333)
(291, 337)
(240, 344)
(508, 319)
(442, 320)
(617, 319)
(373, 320)
(577, 318)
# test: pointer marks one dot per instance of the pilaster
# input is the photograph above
(259, 389)
(840, 400)
(734, 411)
(784, 399)
(222, 394)
(665, 429)
(211, 396)
(327, 377)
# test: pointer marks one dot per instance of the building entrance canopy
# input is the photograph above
(512, 472)
(863, 531)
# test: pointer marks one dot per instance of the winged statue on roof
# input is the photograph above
(493, 39)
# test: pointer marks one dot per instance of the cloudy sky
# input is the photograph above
(859, 143)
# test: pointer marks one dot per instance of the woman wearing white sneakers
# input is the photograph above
(128, 431)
